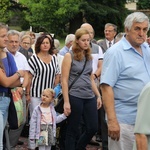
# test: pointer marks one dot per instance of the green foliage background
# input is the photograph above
(65, 16)
(5, 14)
(143, 4)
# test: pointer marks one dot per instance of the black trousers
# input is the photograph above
(103, 130)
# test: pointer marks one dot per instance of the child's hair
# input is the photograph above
(51, 91)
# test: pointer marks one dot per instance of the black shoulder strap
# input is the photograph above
(78, 74)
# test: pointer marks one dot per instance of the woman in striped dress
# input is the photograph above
(44, 70)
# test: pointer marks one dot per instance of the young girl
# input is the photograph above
(44, 118)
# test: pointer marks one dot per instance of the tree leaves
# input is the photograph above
(4, 11)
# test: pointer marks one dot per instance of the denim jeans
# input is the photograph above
(4, 104)
(86, 108)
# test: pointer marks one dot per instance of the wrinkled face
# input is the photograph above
(47, 97)
(137, 34)
(13, 43)
(3, 38)
(109, 33)
(84, 41)
(26, 43)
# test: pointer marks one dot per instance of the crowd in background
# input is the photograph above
(104, 100)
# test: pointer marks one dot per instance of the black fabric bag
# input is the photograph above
(59, 103)
(25, 131)
(12, 115)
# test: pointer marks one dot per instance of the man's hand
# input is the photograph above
(113, 129)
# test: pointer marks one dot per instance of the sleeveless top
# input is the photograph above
(82, 88)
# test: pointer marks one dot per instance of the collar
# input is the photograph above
(112, 42)
(128, 46)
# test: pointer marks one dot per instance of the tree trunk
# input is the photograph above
(75, 23)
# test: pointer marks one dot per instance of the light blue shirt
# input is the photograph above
(127, 72)
(64, 50)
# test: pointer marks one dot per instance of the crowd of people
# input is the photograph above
(105, 85)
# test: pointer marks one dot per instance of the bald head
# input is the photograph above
(89, 28)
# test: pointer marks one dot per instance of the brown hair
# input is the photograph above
(78, 52)
(39, 41)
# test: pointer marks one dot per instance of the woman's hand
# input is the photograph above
(67, 109)
(20, 90)
(99, 102)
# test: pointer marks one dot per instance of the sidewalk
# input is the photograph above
(25, 146)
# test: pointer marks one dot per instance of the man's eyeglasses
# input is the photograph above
(109, 30)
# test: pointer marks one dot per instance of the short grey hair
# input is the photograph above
(3, 26)
(111, 24)
(69, 38)
(13, 32)
(56, 43)
(138, 17)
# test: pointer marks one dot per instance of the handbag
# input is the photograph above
(59, 101)
(15, 112)
(43, 138)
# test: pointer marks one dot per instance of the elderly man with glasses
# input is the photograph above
(110, 32)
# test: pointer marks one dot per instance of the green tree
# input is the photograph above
(100, 13)
(143, 4)
(61, 16)
(4, 11)
(41, 14)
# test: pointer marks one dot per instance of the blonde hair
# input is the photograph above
(50, 91)
(25, 37)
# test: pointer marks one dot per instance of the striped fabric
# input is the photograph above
(43, 74)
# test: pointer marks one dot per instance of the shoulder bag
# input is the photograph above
(59, 101)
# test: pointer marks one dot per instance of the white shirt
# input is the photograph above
(60, 59)
(107, 42)
(21, 61)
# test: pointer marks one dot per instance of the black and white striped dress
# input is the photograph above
(43, 74)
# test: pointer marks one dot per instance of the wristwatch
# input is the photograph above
(24, 89)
